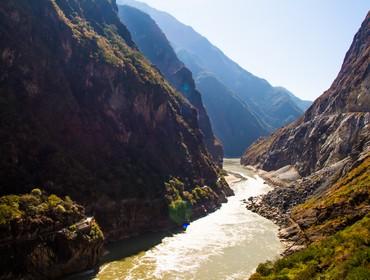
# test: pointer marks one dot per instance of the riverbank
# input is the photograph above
(288, 191)
(226, 244)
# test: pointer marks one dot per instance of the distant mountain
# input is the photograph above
(155, 46)
(222, 105)
(302, 104)
(273, 107)
(334, 127)
(234, 123)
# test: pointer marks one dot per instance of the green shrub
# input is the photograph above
(359, 273)
(8, 213)
(180, 211)
(36, 192)
(345, 255)
(73, 228)
(96, 232)
(28, 200)
(27, 206)
(54, 200)
(265, 269)
(60, 209)
(204, 193)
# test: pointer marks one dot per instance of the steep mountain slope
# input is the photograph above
(338, 223)
(83, 113)
(335, 126)
(340, 205)
(189, 44)
(302, 104)
(155, 46)
(329, 207)
(236, 125)
(341, 256)
(71, 242)
(272, 107)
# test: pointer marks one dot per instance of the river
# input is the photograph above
(226, 244)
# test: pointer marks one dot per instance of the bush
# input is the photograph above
(60, 209)
(308, 272)
(265, 269)
(28, 206)
(359, 273)
(8, 213)
(180, 211)
(96, 232)
(28, 200)
(344, 255)
(54, 200)
(36, 192)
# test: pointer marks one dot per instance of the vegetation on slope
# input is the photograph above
(83, 113)
(181, 201)
(345, 255)
(342, 204)
(45, 237)
(38, 205)
(338, 223)
(154, 45)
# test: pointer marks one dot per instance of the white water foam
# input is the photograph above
(226, 244)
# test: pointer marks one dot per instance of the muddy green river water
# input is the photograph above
(226, 244)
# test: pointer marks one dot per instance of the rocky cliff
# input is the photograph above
(325, 205)
(329, 221)
(335, 126)
(154, 45)
(44, 237)
(82, 113)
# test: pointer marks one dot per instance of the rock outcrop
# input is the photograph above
(83, 113)
(329, 147)
(154, 45)
(337, 125)
(45, 237)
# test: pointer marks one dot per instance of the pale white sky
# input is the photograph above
(298, 44)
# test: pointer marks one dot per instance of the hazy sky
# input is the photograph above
(298, 44)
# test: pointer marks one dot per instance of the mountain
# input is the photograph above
(335, 126)
(155, 46)
(236, 125)
(336, 226)
(302, 104)
(322, 165)
(273, 107)
(83, 114)
(45, 237)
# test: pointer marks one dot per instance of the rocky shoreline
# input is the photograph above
(277, 204)
(290, 234)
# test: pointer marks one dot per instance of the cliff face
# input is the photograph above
(328, 209)
(155, 46)
(335, 126)
(83, 113)
(334, 219)
(44, 237)
(340, 205)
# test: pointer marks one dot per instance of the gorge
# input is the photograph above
(117, 124)
(228, 243)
